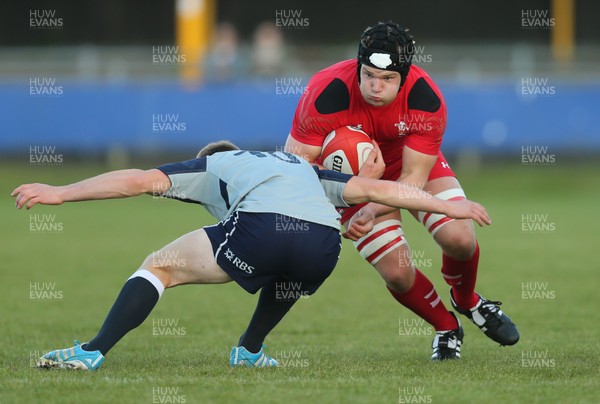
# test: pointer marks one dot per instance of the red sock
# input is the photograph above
(461, 275)
(423, 300)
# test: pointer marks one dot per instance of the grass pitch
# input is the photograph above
(62, 268)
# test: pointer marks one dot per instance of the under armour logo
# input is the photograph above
(445, 165)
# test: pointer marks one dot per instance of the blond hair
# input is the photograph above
(216, 147)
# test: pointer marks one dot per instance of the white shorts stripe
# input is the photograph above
(451, 193)
(379, 226)
(235, 217)
(435, 221)
(434, 218)
(371, 244)
(445, 195)
(386, 252)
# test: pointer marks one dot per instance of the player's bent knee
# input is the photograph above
(400, 280)
(397, 269)
(163, 276)
(153, 266)
(457, 240)
(460, 246)
(385, 237)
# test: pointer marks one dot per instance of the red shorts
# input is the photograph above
(392, 172)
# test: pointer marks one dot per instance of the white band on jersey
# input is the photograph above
(150, 277)
(434, 221)
(383, 239)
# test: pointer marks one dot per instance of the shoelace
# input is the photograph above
(489, 309)
(442, 349)
(444, 338)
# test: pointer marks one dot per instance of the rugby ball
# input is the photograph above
(345, 150)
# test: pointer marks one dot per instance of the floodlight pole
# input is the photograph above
(563, 32)
(194, 24)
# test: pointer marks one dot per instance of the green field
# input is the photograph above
(349, 343)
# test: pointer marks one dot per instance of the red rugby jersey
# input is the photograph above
(416, 118)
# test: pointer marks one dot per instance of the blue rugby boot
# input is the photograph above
(240, 356)
(71, 358)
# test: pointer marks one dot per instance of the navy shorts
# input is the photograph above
(256, 249)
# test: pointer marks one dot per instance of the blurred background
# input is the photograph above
(92, 85)
(112, 80)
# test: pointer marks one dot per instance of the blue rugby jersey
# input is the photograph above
(253, 181)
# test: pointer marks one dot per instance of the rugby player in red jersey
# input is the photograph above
(402, 109)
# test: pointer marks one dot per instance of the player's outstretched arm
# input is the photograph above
(114, 184)
(405, 196)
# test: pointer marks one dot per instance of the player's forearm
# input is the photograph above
(390, 193)
(114, 184)
(416, 167)
(377, 209)
(405, 196)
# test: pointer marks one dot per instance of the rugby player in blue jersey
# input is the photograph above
(249, 192)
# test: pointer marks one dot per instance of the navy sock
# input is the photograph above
(269, 312)
(135, 302)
